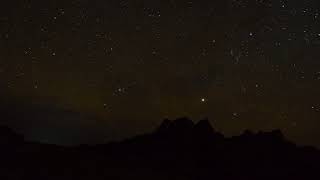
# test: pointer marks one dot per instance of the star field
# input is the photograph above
(130, 63)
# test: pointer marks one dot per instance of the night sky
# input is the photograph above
(89, 71)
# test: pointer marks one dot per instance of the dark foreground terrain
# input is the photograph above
(177, 150)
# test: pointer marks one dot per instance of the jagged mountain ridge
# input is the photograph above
(178, 148)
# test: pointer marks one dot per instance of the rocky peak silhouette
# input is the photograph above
(204, 127)
(164, 126)
(178, 126)
(184, 128)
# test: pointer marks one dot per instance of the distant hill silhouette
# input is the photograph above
(177, 149)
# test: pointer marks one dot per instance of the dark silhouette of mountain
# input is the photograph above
(178, 149)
